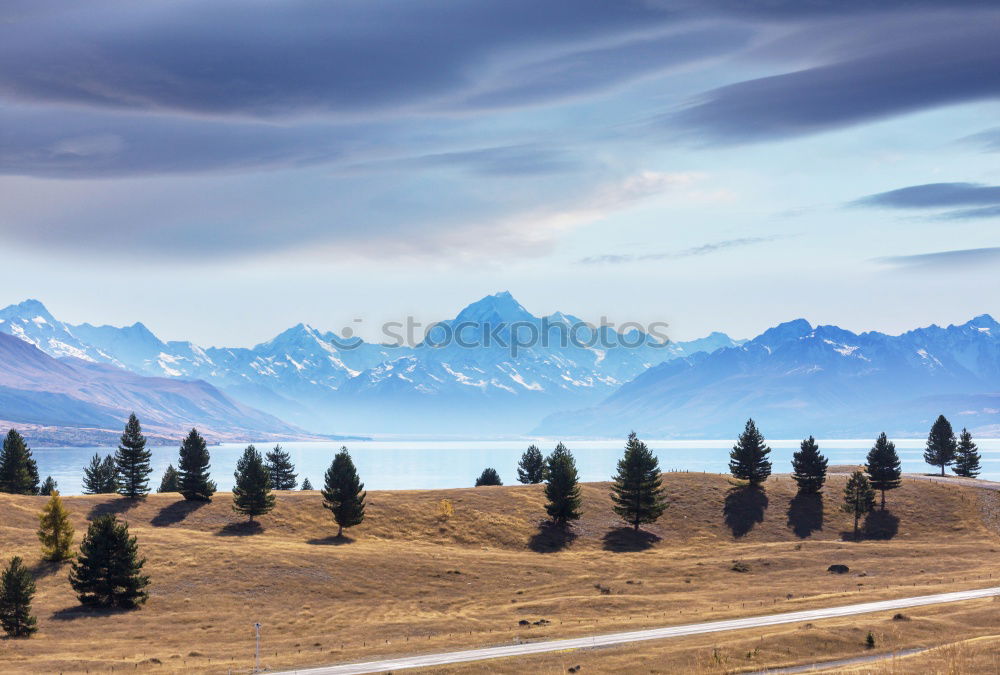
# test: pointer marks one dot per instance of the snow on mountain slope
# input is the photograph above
(797, 380)
(38, 389)
(302, 376)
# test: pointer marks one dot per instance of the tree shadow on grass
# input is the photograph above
(114, 506)
(241, 529)
(46, 568)
(744, 508)
(805, 514)
(628, 540)
(84, 612)
(880, 525)
(172, 514)
(332, 540)
(551, 537)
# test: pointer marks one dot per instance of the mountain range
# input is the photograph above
(796, 379)
(310, 378)
(78, 401)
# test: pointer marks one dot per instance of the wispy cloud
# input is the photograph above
(919, 65)
(945, 260)
(934, 195)
(984, 200)
(704, 249)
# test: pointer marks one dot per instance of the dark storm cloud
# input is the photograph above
(85, 144)
(937, 196)
(946, 260)
(269, 59)
(926, 70)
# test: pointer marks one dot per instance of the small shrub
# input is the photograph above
(870, 640)
(445, 509)
(740, 566)
(900, 617)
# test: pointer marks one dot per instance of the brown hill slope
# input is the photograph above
(423, 580)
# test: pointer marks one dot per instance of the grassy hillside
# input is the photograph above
(413, 578)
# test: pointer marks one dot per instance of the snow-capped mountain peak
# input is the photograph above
(494, 309)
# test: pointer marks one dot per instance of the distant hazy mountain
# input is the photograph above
(73, 400)
(796, 380)
(302, 376)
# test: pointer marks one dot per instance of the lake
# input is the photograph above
(417, 465)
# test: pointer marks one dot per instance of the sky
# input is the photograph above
(223, 170)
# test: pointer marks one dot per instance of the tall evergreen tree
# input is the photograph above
(489, 476)
(18, 470)
(343, 492)
(809, 467)
(941, 444)
(192, 469)
(55, 531)
(17, 588)
(101, 477)
(748, 460)
(48, 486)
(883, 466)
(170, 482)
(967, 456)
(531, 468)
(562, 489)
(859, 498)
(306, 484)
(132, 461)
(280, 467)
(252, 491)
(108, 571)
(637, 491)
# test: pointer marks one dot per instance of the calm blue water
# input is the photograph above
(400, 465)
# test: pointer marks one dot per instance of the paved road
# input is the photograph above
(429, 660)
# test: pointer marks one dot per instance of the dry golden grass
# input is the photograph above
(414, 579)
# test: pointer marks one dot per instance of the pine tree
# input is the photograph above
(748, 460)
(306, 484)
(48, 486)
(967, 456)
(809, 467)
(561, 487)
(638, 488)
(883, 466)
(192, 469)
(941, 444)
(489, 476)
(55, 531)
(18, 470)
(531, 468)
(101, 477)
(132, 461)
(343, 492)
(17, 588)
(281, 469)
(108, 571)
(859, 498)
(252, 491)
(170, 481)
